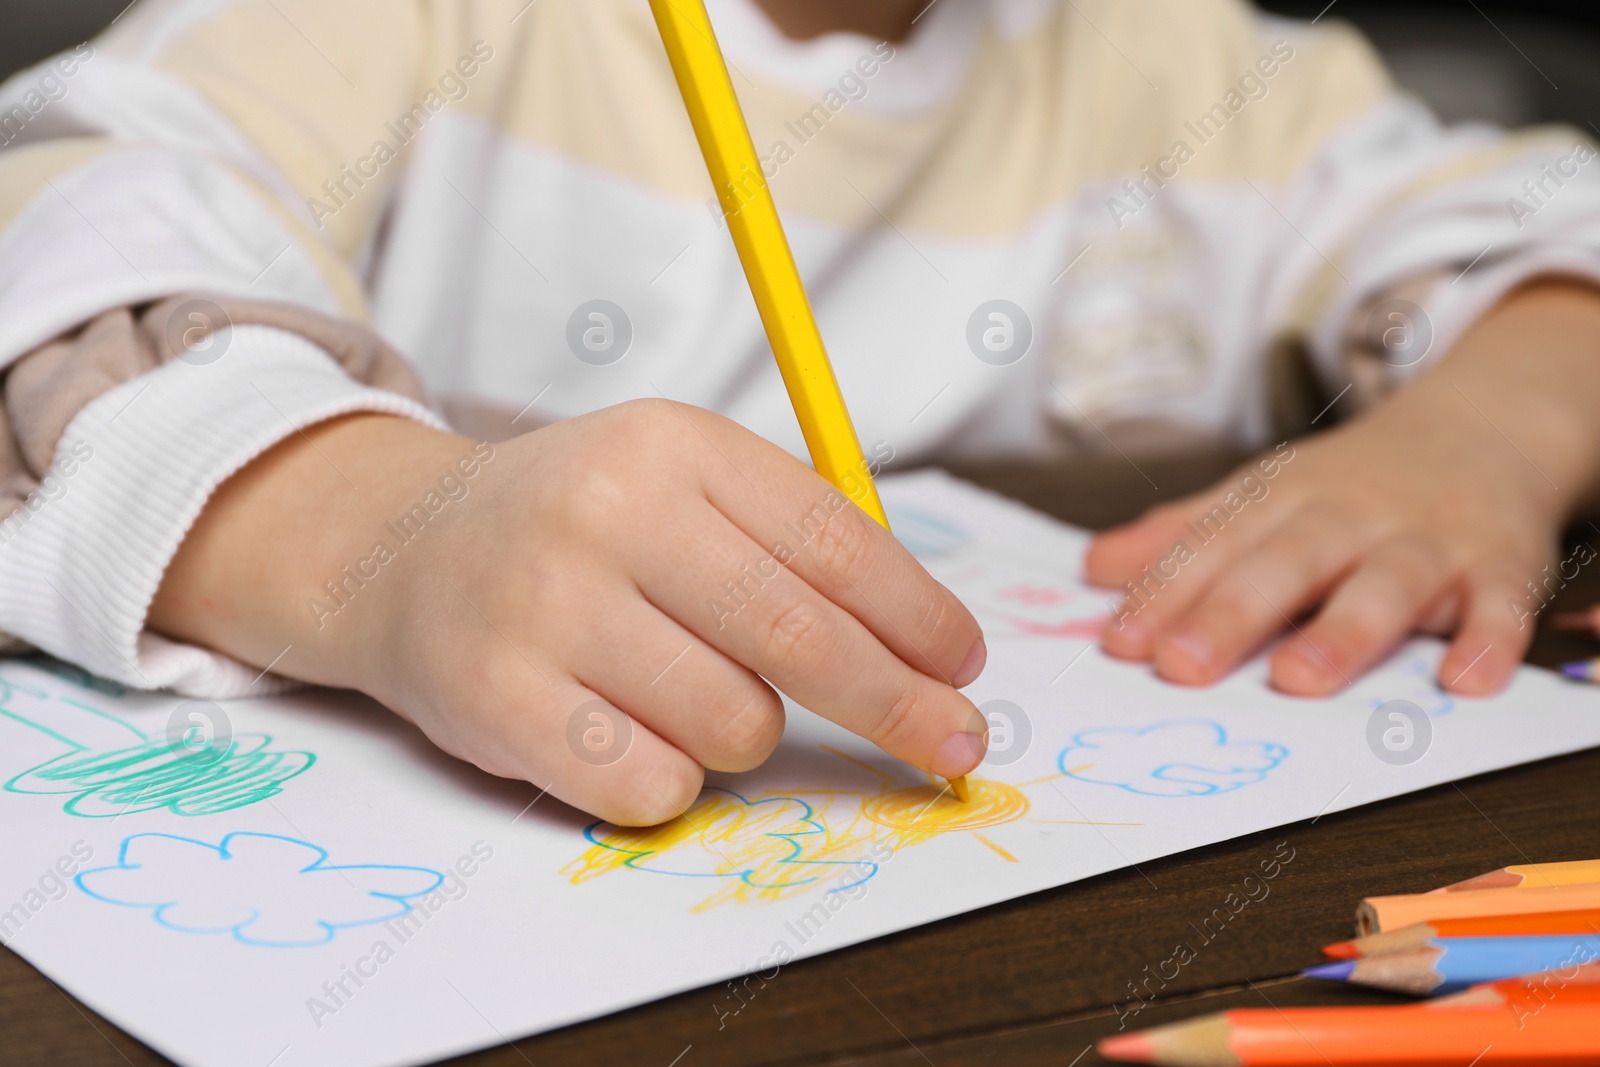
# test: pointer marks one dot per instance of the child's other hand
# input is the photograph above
(651, 557)
(1431, 513)
(1378, 531)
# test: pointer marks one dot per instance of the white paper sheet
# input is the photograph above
(328, 889)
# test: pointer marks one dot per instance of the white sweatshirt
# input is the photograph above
(1034, 227)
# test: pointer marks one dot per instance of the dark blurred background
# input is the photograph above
(1511, 63)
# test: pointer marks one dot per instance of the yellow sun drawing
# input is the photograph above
(775, 845)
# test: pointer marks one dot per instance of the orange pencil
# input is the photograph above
(1433, 1035)
(1532, 924)
(1531, 876)
(1531, 993)
(1392, 912)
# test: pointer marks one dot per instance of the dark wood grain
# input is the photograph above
(1037, 980)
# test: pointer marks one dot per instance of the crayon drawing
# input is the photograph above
(770, 847)
(1009, 601)
(260, 889)
(759, 848)
(109, 767)
(1185, 758)
(1411, 678)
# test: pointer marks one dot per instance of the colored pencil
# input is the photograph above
(1431, 1035)
(758, 235)
(1532, 993)
(1531, 876)
(764, 252)
(1392, 912)
(1450, 964)
(1582, 670)
(1582, 921)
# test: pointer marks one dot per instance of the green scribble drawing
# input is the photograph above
(112, 768)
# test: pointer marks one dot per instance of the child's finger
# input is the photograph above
(1117, 555)
(836, 548)
(1169, 585)
(719, 713)
(1370, 613)
(579, 746)
(1257, 597)
(809, 647)
(1442, 615)
(1489, 646)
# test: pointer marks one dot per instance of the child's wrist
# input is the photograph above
(1523, 386)
(271, 540)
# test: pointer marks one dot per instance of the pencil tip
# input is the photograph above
(1341, 950)
(1131, 1048)
(1581, 670)
(958, 786)
(1331, 972)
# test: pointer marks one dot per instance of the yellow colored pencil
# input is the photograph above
(763, 249)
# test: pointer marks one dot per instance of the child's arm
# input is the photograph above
(1434, 511)
(650, 557)
(173, 185)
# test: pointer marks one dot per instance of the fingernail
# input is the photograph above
(972, 666)
(958, 755)
(1194, 647)
(1306, 660)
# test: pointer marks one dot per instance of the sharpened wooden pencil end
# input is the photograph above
(958, 786)
(1341, 950)
(1130, 1048)
(1202, 1042)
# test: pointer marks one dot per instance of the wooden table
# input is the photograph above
(1035, 980)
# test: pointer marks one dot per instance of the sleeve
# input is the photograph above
(1402, 232)
(173, 302)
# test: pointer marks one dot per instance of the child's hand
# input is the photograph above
(1431, 513)
(1381, 531)
(650, 557)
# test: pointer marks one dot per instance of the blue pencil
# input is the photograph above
(1447, 964)
(1583, 670)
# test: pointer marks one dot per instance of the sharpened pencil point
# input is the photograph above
(1583, 670)
(958, 786)
(1341, 950)
(1131, 1048)
(1331, 972)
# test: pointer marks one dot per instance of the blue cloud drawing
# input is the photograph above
(1184, 758)
(1418, 686)
(263, 889)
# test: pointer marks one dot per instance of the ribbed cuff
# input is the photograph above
(80, 564)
